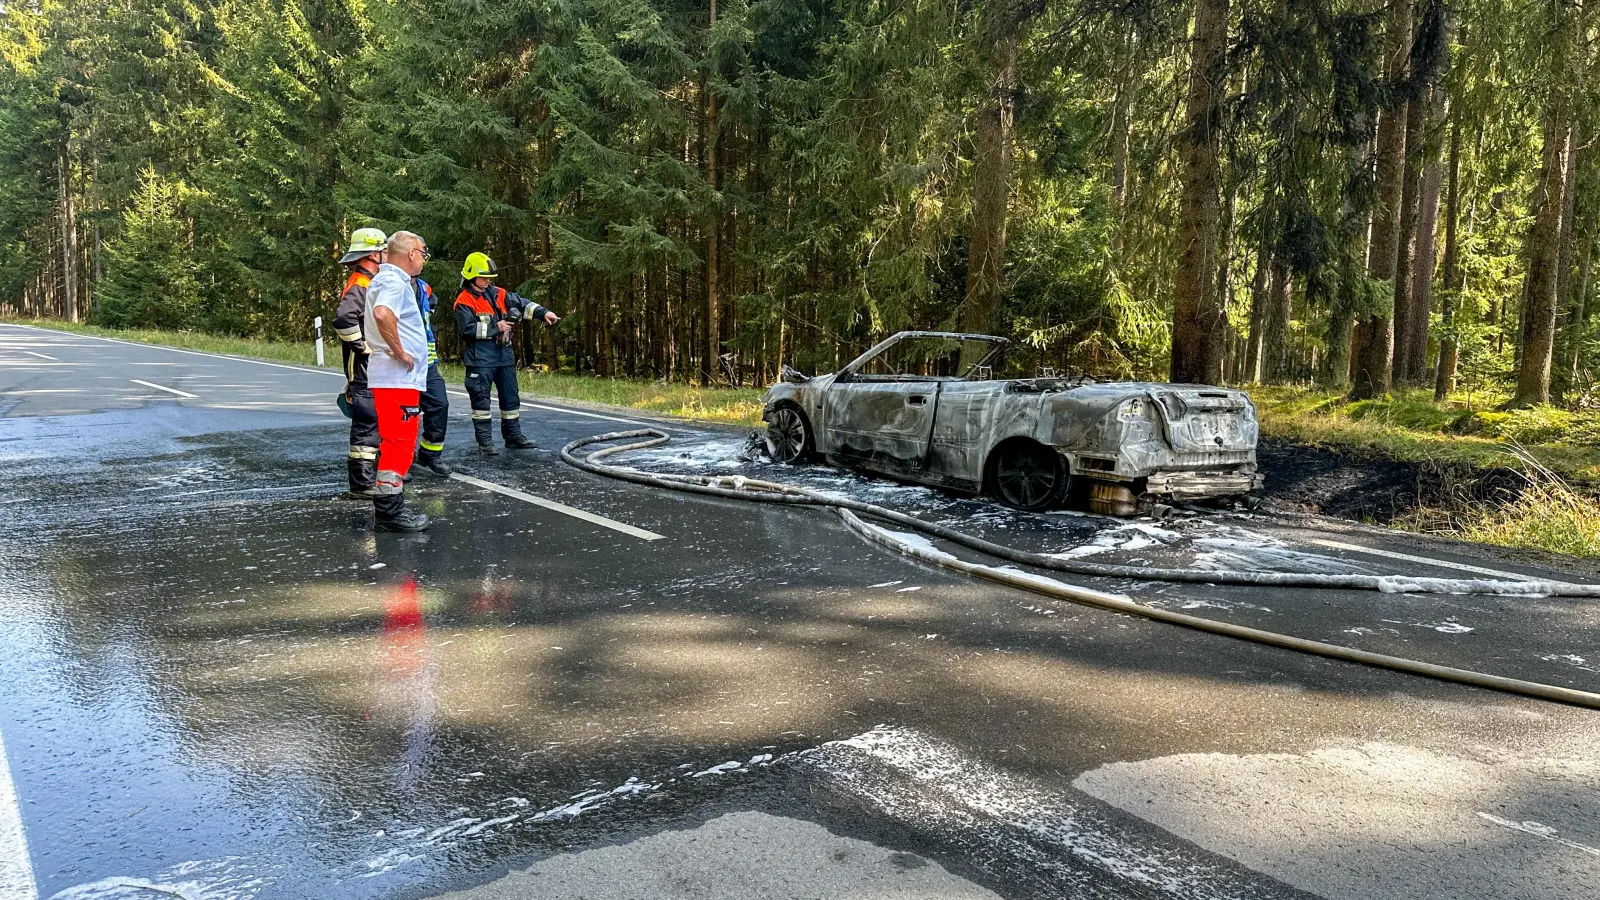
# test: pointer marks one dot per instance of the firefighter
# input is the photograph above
(486, 315)
(435, 401)
(362, 259)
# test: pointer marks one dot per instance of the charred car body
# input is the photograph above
(926, 406)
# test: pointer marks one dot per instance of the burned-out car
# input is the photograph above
(931, 407)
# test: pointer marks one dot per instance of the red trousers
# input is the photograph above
(399, 417)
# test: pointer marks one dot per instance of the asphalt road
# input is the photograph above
(217, 682)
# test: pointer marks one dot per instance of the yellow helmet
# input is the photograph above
(364, 242)
(478, 265)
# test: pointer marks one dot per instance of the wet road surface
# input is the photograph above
(216, 681)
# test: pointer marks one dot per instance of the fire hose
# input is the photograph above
(738, 487)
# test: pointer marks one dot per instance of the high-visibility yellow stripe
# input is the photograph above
(509, 414)
(359, 452)
(482, 414)
(353, 333)
(435, 448)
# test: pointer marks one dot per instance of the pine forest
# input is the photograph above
(1363, 195)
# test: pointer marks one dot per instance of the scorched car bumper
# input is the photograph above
(1201, 485)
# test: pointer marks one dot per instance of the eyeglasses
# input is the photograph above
(424, 251)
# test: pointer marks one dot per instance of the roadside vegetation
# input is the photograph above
(1409, 426)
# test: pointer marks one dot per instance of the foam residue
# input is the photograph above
(1404, 584)
(1070, 846)
(1230, 549)
(1134, 536)
(224, 878)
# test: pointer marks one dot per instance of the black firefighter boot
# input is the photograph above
(511, 430)
(433, 462)
(483, 430)
(363, 477)
(389, 511)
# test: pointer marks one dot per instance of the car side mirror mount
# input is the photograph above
(793, 376)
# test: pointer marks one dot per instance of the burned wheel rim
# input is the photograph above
(787, 433)
(1028, 476)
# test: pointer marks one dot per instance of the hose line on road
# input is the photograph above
(738, 487)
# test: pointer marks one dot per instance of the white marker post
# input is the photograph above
(317, 325)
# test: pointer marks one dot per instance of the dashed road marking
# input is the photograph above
(41, 355)
(16, 867)
(1425, 560)
(562, 508)
(167, 389)
(1539, 829)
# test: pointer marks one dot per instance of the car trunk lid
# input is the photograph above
(1207, 420)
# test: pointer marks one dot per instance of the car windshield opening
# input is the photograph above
(933, 358)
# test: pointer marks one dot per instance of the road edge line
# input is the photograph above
(16, 866)
(1422, 560)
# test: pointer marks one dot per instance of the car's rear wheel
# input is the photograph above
(1028, 476)
(789, 435)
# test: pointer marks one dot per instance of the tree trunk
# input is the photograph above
(1198, 325)
(713, 311)
(1444, 380)
(69, 246)
(1423, 268)
(1277, 354)
(1544, 250)
(1122, 125)
(991, 173)
(1569, 204)
(1374, 351)
(1405, 312)
(1258, 306)
(1580, 311)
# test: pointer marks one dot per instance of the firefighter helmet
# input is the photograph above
(364, 242)
(478, 265)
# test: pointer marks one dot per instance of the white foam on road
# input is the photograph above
(16, 866)
(1066, 843)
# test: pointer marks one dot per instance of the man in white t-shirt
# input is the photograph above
(397, 373)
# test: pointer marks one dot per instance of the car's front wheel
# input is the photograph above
(1028, 476)
(789, 435)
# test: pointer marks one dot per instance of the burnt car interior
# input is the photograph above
(932, 357)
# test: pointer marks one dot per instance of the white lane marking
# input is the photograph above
(167, 389)
(41, 355)
(43, 391)
(1427, 561)
(16, 867)
(1539, 829)
(574, 412)
(570, 412)
(562, 508)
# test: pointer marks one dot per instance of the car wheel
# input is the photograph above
(788, 435)
(1028, 476)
